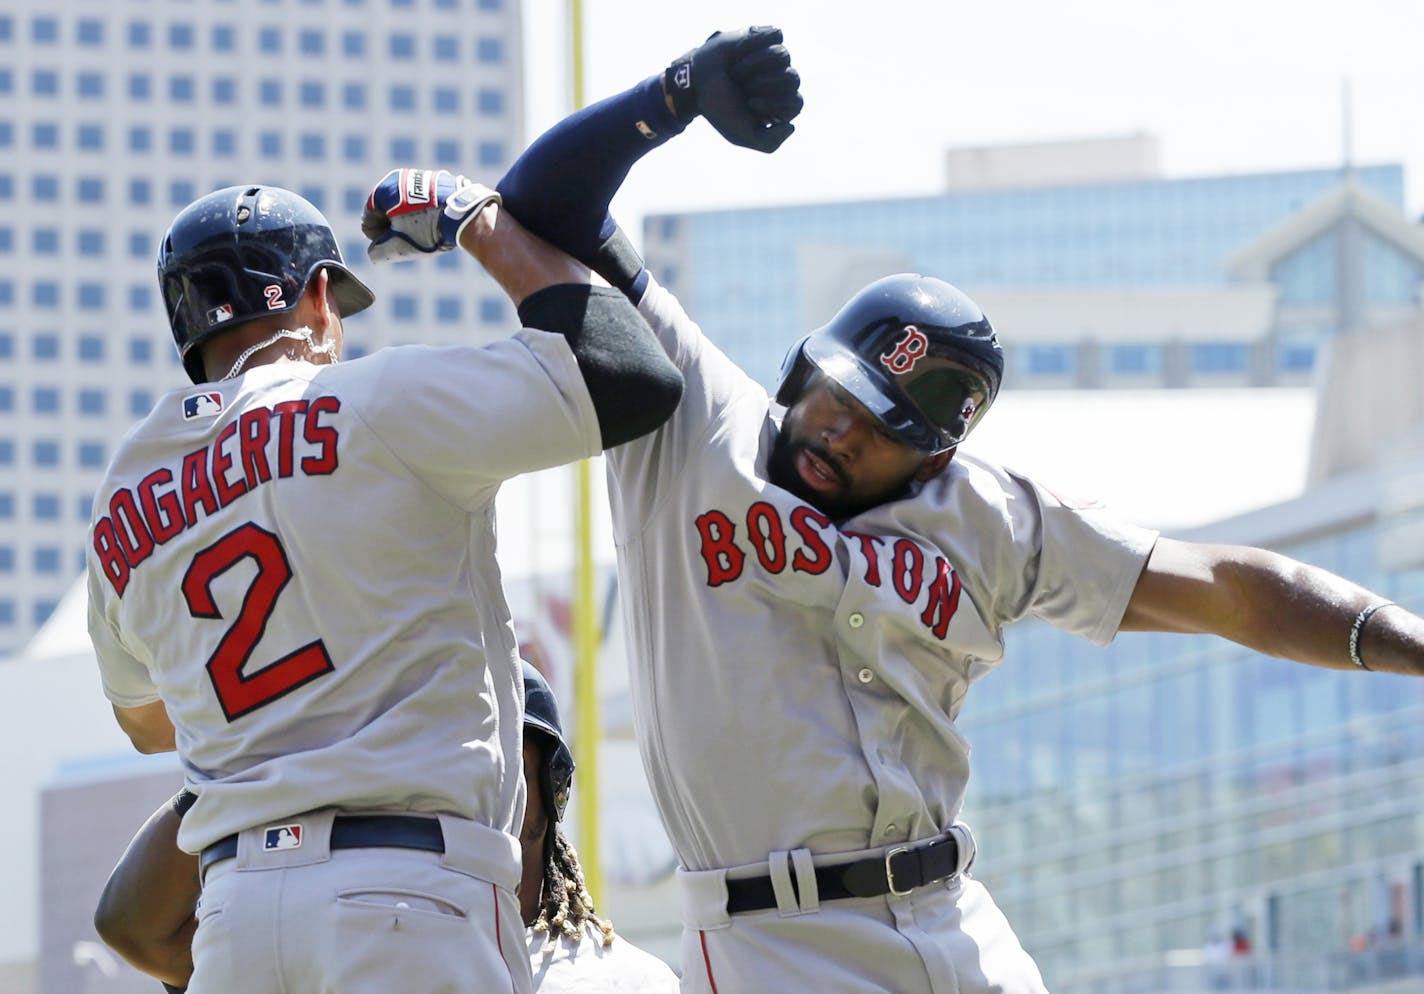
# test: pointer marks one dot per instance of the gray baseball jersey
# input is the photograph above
(301, 563)
(796, 680)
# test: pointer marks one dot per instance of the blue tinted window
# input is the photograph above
(446, 48)
(7, 403)
(313, 146)
(44, 83)
(91, 296)
(139, 34)
(224, 38)
(45, 400)
(1130, 360)
(44, 135)
(490, 101)
(403, 149)
(353, 199)
(353, 149)
(180, 89)
(140, 86)
(489, 50)
(83, 508)
(46, 507)
(402, 98)
(490, 154)
(446, 99)
(181, 193)
(224, 143)
(91, 455)
(180, 141)
(1218, 357)
(224, 90)
(402, 46)
(1048, 360)
(180, 36)
(7, 240)
(140, 138)
(45, 241)
(491, 4)
(90, 137)
(312, 43)
(353, 43)
(312, 93)
(7, 345)
(140, 244)
(140, 191)
(7, 612)
(7, 559)
(269, 40)
(269, 91)
(447, 308)
(89, 32)
(403, 307)
(353, 96)
(269, 143)
(140, 350)
(491, 310)
(7, 80)
(89, 85)
(316, 196)
(89, 189)
(447, 153)
(45, 294)
(44, 29)
(91, 242)
(140, 402)
(1295, 358)
(7, 27)
(7, 134)
(45, 346)
(7, 293)
(91, 348)
(7, 504)
(46, 561)
(91, 402)
(45, 452)
(140, 296)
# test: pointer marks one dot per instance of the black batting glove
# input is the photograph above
(743, 83)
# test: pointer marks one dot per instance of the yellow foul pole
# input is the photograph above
(585, 618)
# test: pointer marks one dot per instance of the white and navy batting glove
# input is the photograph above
(413, 212)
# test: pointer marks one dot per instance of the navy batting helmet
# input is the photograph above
(916, 351)
(541, 717)
(245, 252)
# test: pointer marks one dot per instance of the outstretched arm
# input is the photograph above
(146, 912)
(1275, 605)
(562, 185)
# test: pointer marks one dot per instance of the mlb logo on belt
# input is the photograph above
(277, 837)
(202, 405)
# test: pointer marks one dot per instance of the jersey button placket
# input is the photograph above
(865, 675)
(856, 619)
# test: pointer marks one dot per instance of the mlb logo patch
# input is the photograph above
(278, 837)
(202, 405)
(219, 314)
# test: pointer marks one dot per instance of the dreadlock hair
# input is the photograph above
(564, 901)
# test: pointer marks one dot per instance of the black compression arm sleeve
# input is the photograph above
(634, 386)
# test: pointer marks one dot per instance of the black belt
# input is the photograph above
(357, 832)
(899, 871)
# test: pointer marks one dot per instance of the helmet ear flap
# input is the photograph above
(795, 369)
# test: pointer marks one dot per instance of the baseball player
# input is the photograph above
(814, 580)
(292, 581)
(146, 910)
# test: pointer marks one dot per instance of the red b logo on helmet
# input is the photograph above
(907, 351)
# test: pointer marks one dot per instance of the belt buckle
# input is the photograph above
(890, 873)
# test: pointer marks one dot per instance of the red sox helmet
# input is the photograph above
(245, 252)
(916, 351)
(541, 720)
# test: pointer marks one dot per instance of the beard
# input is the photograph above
(781, 470)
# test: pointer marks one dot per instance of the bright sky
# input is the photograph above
(1228, 86)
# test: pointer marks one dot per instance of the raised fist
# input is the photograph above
(413, 212)
(743, 83)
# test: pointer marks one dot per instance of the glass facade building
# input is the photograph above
(742, 273)
(114, 116)
(1133, 802)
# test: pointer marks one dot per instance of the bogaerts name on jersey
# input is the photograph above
(905, 565)
(264, 442)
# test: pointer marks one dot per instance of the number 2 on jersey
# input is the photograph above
(239, 692)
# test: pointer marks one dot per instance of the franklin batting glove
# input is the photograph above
(743, 83)
(414, 212)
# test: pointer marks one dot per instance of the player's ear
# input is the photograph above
(933, 465)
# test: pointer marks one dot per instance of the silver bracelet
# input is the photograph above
(1358, 627)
